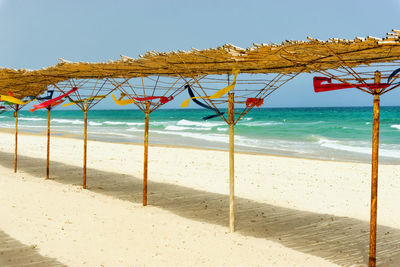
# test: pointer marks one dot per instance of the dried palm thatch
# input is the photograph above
(287, 57)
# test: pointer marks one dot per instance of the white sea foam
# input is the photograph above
(199, 123)
(181, 128)
(396, 126)
(176, 128)
(220, 129)
(114, 123)
(359, 147)
(31, 119)
(32, 126)
(222, 138)
(123, 123)
(113, 134)
(389, 153)
(306, 122)
(67, 121)
(336, 145)
(241, 141)
(135, 123)
(92, 123)
(261, 123)
(161, 123)
(274, 144)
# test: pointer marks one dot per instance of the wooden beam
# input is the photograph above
(374, 173)
(84, 146)
(146, 152)
(48, 143)
(231, 121)
(16, 138)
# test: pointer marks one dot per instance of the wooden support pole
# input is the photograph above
(231, 121)
(84, 146)
(16, 137)
(48, 143)
(374, 173)
(146, 152)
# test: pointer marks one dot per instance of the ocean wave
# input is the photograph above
(32, 126)
(161, 123)
(92, 123)
(222, 138)
(199, 123)
(297, 147)
(31, 119)
(114, 123)
(281, 145)
(360, 147)
(112, 134)
(181, 128)
(307, 122)
(123, 123)
(67, 121)
(135, 123)
(220, 129)
(396, 126)
(255, 124)
(283, 122)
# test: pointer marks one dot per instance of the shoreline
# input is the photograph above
(55, 134)
(307, 133)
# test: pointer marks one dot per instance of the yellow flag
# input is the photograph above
(123, 102)
(13, 100)
(218, 94)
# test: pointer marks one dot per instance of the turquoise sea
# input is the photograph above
(342, 133)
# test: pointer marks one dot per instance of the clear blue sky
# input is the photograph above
(35, 33)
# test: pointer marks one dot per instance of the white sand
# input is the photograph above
(290, 212)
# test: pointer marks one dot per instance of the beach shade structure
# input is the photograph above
(49, 102)
(12, 103)
(375, 83)
(288, 57)
(370, 65)
(84, 94)
(148, 94)
(215, 92)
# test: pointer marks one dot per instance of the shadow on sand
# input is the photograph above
(341, 240)
(13, 253)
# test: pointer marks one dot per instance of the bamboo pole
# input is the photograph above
(16, 137)
(84, 146)
(146, 152)
(231, 121)
(48, 143)
(374, 173)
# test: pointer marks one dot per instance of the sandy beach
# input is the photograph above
(289, 211)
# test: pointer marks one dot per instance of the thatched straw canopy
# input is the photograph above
(287, 57)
